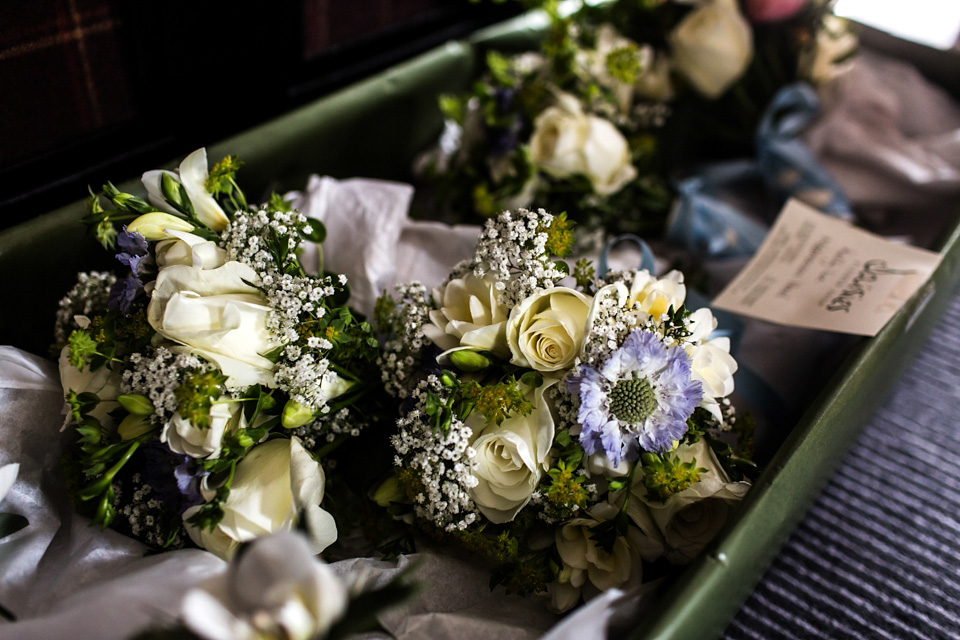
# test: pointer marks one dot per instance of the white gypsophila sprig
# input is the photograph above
(144, 513)
(157, 376)
(88, 297)
(253, 237)
(304, 378)
(325, 429)
(443, 462)
(295, 299)
(513, 249)
(400, 351)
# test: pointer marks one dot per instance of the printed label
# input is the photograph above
(819, 272)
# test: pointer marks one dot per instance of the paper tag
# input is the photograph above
(819, 272)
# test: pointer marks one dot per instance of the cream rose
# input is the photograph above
(184, 437)
(689, 520)
(104, 383)
(189, 249)
(278, 589)
(218, 316)
(511, 458)
(588, 569)
(546, 330)
(468, 315)
(712, 46)
(567, 142)
(272, 484)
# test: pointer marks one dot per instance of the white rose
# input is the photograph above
(193, 176)
(512, 458)
(468, 315)
(186, 438)
(567, 142)
(272, 484)
(546, 330)
(712, 46)
(711, 362)
(277, 589)
(104, 383)
(189, 249)
(689, 520)
(218, 316)
(588, 569)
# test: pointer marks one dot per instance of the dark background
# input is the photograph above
(89, 88)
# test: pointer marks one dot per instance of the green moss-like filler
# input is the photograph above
(197, 394)
(665, 476)
(497, 402)
(560, 236)
(565, 493)
(624, 63)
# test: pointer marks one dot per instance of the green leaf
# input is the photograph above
(318, 232)
(532, 379)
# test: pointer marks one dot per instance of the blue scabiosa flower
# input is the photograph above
(639, 399)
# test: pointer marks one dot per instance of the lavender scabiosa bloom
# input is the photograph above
(639, 399)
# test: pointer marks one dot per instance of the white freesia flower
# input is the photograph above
(276, 590)
(648, 296)
(157, 225)
(104, 383)
(468, 315)
(8, 475)
(193, 176)
(712, 46)
(218, 316)
(189, 249)
(711, 362)
(272, 484)
(184, 437)
(568, 142)
(588, 569)
(512, 458)
(546, 330)
(689, 520)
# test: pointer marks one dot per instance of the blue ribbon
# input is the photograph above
(706, 223)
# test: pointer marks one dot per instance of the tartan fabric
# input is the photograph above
(328, 23)
(63, 72)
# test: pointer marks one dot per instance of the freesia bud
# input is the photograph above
(171, 189)
(296, 415)
(389, 491)
(467, 360)
(153, 226)
(136, 403)
(133, 426)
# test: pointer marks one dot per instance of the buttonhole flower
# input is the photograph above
(642, 395)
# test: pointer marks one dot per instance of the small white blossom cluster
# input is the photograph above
(512, 247)
(144, 513)
(88, 297)
(443, 463)
(157, 376)
(325, 430)
(293, 299)
(303, 379)
(608, 329)
(253, 237)
(400, 352)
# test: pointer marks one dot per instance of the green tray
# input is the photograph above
(373, 129)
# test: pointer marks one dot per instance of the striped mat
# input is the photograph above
(878, 555)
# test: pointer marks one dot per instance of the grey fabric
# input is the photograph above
(878, 555)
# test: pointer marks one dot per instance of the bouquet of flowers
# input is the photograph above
(620, 98)
(575, 430)
(206, 379)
